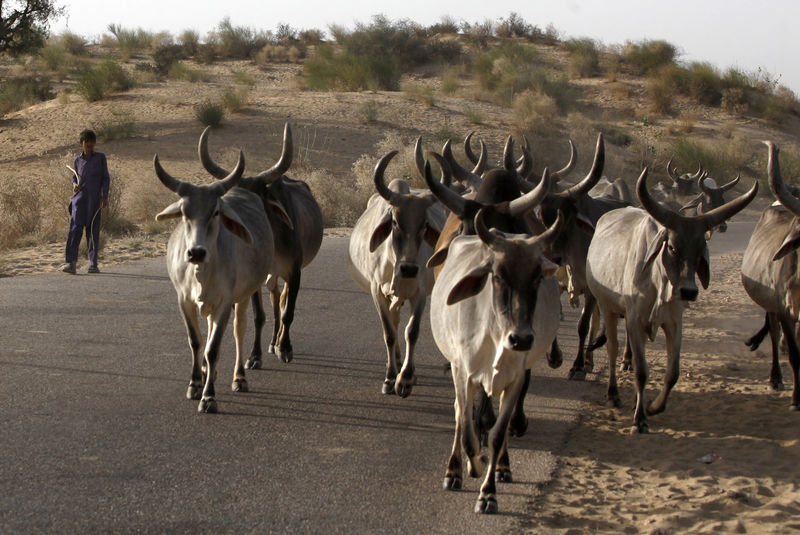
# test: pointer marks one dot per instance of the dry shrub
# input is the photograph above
(418, 92)
(235, 98)
(661, 95)
(280, 53)
(734, 100)
(620, 91)
(342, 199)
(450, 80)
(534, 111)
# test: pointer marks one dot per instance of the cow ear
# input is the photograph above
(431, 235)
(691, 204)
(584, 224)
(470, 285)
(548, 268)
(438, 257)
(790, 243)
(232, 222)
(170, 212)
(277, 208)
(654, 248)
(704, 269)
(381, 232)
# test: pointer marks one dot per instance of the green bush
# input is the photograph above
(236, 42)
(648, 56)
(73, 43)
(584, 57)
(704, 84)
(165, 56)
(369, 111)
(446, 25)
(719, 162)
(534, 111)
(615, 135)
(209, 113)
(117, 126)
(181, 71)
(328, 70)
(235, 99)
(515, 26)
(243, 78)
(189, 40)
(54, 56)
(130, 41)
(18, 93)
(95, 82)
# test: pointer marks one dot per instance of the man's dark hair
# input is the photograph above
(88, 135)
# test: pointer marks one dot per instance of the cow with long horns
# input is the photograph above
(296, 222)
(218, 255)
(389, 247)
(770, 271)
(641, 265)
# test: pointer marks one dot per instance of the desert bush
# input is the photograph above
(165, 57)
(161, 39)
(117, 125)
(446, 25)
(311, 36)
(73, 43)
(95, 82)
(721, 161)
(235, 98)
(419, 92)
(181, 71)
(189, 40)
(479, 33)
(328, 70)
(450, 81)
(615, 135)
(704, 84)
(473, 114)
(534, 111)
(516, 26)
(369, 111)
(18, 93)
(620, 90)
(648, 56)
(660, 93)
(209, 113)
(243, 78)
(130, 42)
(584, 57)
(236, 42)
(280, 53)
(54, 56)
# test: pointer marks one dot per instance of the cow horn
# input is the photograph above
(533, 198)
(205, 158)
(698, 174)
(419, 159)
(483, 159)
(233, 178)
(716, 216)
(573, 159)
(279, 169)
(490, 237)
(380, 185)
(701, 183)
(527, 145)
(468, 148)
(173, 184)
(776, 183)
(673, 173)
(452, 200)
(462, 175)
(658, 211)
(525, 166)
(508, 155)
(552, 232)
(595, 173)
(730, 185)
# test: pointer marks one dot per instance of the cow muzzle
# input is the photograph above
(688, 294)
(408, 271)
(196, 255)
(519, 341)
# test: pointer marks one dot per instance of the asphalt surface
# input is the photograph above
(97, 436)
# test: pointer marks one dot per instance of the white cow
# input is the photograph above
(494, 313)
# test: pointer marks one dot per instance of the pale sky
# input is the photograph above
(742, 33)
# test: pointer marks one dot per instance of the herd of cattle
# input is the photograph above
(494, 248)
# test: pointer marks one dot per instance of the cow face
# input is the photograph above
(514, 271)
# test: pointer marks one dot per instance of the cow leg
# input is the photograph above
(275, 300)
(594, 328)
(406, 379)
(555, 358)
(215, 331)
(453, 475)
(754, 341)
(389, 320)
(288, 300)
(502, 473)
(636, 340)
(672, 334)
(189, 311)
(612, 348)
(487, 500)
(259, 319)
(519, 422)
(484, 416)
(476, 463)
(239, 383)
(775, 374)
(578, 370)
(788, 326)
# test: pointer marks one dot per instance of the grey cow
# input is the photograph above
(218, 255)
(641, 265)
(389, 247)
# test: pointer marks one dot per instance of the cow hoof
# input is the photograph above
(284, 355)
(555, 359)
(194, 392)
(576, 375)
(503, 475)
(588, 367)
(403, 386)
(253, 363)
(518, 426)
(776, 385)
(478, 467)
(614, 401)
(625, 367)
(794, 408)
(271, 349)
(207, 405)
(486, 505)
(641, 429)
(239, 385)
(452, 482)
(388, 388)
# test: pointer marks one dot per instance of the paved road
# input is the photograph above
(96, 435)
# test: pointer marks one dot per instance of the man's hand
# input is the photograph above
(104, 204)
(75, 187)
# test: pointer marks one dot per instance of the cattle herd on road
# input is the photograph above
(493, 249)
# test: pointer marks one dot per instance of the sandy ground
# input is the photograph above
(609, 481)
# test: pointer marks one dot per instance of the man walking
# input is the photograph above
(90, 188)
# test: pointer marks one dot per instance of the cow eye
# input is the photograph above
(672, 249)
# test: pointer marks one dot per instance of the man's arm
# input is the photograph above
(75, 186)
(106, 184)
